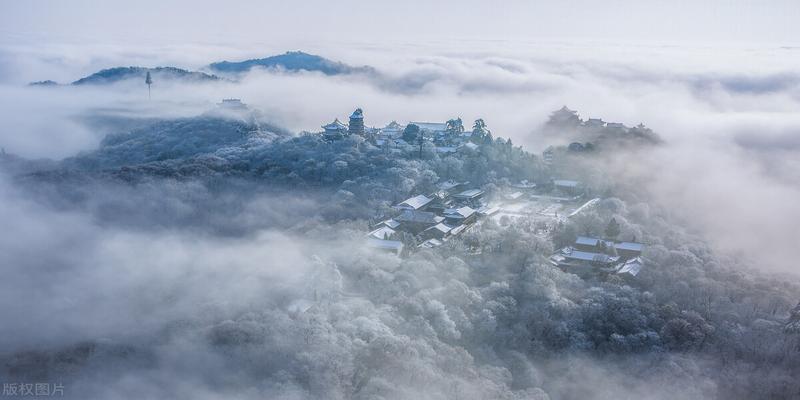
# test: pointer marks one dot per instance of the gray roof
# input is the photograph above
(588, 241)
(422, 217)
(587, 256)
(631, 246)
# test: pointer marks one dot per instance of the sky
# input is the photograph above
(309, 21)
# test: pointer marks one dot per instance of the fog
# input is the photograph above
(136, 283)
(727, 117)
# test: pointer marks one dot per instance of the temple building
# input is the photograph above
(357, 122)
(334, 130)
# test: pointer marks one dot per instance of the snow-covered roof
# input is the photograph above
(393, 125)
(357, 114)
(463, 212)
(430, 126)
(456, 230)
(470, 193)
(391, 223)
(382, 233)
(471, 145)
(336, 124)
(556, 259)
(631, 267)
(485, 210)
(440, 227)
(416, 202)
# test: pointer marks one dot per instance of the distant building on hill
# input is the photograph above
(564, 117)
(431, 129)
(615, 125)
(595, 123)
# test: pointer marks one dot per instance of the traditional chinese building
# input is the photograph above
(357, 122)
(334, 130)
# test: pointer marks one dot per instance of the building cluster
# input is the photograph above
(593, 256)
(431, 219)
(566, 117)
(445, 137)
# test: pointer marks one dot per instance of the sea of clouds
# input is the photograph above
(189, 310)
(727, 114)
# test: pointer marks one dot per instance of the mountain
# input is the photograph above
(291, 61)
(220, 133)
(47, 83)
(117, 74)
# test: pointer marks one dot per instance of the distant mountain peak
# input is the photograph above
(117, 74)
(291, 61)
